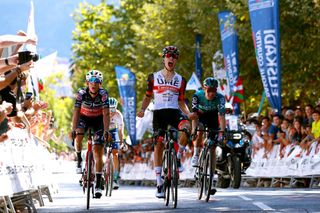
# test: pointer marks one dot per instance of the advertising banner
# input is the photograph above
(127, 89)
(229, 40)
(264, 17)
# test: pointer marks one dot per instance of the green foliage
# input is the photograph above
(60, 108)
(134, 34)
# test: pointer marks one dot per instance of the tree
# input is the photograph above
(134, 34)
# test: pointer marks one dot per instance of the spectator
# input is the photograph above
(315, 130)
(257, 138)
(308, 116)
(296, 133)
(290, 115)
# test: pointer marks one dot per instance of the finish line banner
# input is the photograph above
(264, 16)
(127, 89)
(229, 40)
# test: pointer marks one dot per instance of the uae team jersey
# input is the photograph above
(166, 94)
(91, 107)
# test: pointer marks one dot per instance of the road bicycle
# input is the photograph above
(170, 168)
(204, 173)
(108, 168)
(88, 175)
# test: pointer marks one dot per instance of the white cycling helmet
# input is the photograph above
(94, 74)
(113, 103)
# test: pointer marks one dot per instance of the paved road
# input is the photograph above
(70, 198)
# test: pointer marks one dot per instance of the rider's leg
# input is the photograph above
(158, 149)
(184, 137)
(78, 141)
(98, 152)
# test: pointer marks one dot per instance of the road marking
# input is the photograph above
(263, 206)
(245, 198)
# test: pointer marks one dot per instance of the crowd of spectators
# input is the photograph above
(18, 108)
(295, 126)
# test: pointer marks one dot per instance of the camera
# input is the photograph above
(26, 56)
(29, 95)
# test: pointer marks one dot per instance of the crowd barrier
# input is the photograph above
(24, 170)
(291, 163)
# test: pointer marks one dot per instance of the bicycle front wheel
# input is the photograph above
(109, 176)
(174, 178)
(210, 164)
(166, 177)
(199, 174)
(89, 171)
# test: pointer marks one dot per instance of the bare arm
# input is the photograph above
(75, 118)
(106, 119)
(145, 103)
(9, 40)
(222, 120)
(183, 106)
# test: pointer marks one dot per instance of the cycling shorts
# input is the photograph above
(164, 117)
(115, 139)
(96, 123)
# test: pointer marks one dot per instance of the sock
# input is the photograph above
(115, 175)
(79, 158)
(158, 169)
(180, 152)
(196, 151)
(98, 182)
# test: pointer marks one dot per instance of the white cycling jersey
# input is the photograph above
(116, 120)
(166, 94)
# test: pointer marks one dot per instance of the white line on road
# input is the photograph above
(245, 198)
(263, 206)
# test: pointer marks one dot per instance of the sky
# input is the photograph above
(53, 22)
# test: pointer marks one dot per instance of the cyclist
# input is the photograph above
(208, 106)
(116, 128)
(168, 89)
(91, 109)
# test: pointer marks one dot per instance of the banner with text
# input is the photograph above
(127, 89)
(229, 40)
(198, 59)
(264, 17)
(24, 163)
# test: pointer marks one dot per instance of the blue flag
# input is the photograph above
(198, 57)
(264, 17)
(229, 40)
(127, 89)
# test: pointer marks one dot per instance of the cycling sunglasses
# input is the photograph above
(168, 55)
(94, 80)
(210, 89)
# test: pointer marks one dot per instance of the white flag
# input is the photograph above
(193, 83)
(31, 31)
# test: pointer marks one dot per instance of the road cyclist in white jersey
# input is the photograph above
(116, 128)
(168, 90)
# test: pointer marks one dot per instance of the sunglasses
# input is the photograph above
(168, 55)
(211, 89)
(94, 80)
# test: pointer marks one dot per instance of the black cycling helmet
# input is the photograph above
(170, 49)
(210, 82)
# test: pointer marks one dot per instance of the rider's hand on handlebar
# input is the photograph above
(192, 116)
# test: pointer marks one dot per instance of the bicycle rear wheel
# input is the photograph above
(174, 178)
(166, 177)
(89, 171)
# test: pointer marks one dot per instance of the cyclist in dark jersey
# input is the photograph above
(209, 108)
(91, 109)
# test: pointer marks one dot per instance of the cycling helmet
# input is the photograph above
(113, 103)
(94, 74)
(170, 49)
(210, 82)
